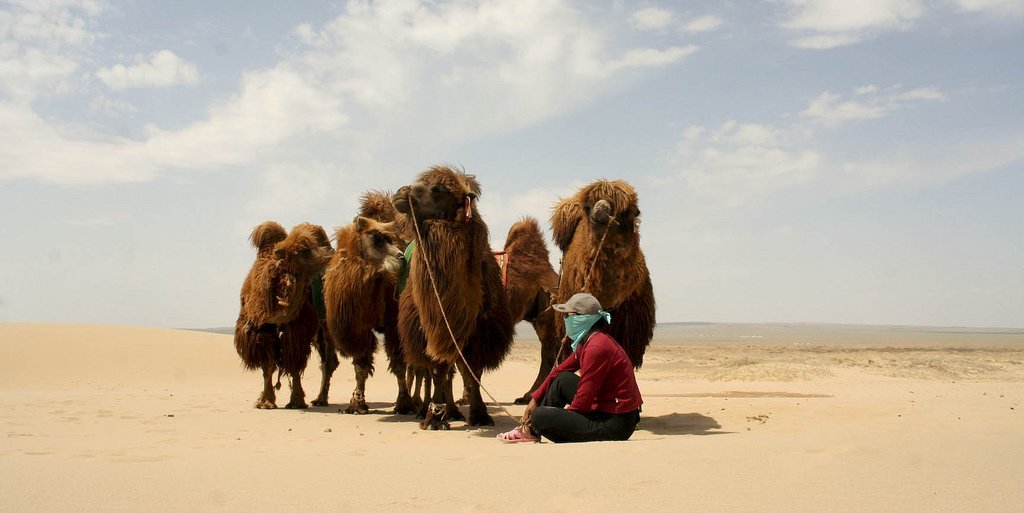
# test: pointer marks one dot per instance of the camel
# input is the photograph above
(597, 230)
(277, 322)
(529, 285)
(359, 293)
(466, 295)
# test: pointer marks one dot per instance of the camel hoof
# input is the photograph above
(523, 400)
(320, 402)
(404, 406)
(265, 405)
(454, 414)
(301, 405)
(357, 409)
(481, 419)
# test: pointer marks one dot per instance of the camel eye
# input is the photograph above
(439, 189)
(379, 239)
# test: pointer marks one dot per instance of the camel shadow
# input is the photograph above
(676, 423)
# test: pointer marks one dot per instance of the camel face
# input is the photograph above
(305, 251)
(611, 209)
(602, 214)
(378, 245)
(440, 193)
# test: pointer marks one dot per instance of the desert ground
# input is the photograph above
(104, 418)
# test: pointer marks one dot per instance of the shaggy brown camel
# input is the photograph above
(468, 294)
(597, 230)
(359, 293)
(277, 323)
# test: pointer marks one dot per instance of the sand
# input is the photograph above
(101, 418)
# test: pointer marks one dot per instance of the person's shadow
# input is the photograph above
(680, 424)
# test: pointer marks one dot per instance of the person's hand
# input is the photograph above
(529, 410)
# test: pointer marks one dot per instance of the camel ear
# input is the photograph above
(361, 223)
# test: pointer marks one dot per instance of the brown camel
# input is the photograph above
(529, 285)
(359, 293)
(467, 293)
(277, 322)
(597, 230)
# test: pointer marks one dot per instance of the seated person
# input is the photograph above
(602, 403)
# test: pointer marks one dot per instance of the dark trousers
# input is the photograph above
(552, 421)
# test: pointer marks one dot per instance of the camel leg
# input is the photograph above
(413, 382)
(298, 398)
(478, 415)
(328, 363)
(403, 403)
(357, 404)
(426, 377)
(451, 408)
(436, 418)
(267, 399)
(466, 393)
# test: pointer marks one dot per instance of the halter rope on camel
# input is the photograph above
(440, 304)
(586, 278)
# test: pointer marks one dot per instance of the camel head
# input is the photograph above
(439, 194)
(305, 251)
(377, 205)
(611, 209)
(377, 244)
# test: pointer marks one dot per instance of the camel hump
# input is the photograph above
(526, 256)
(524, 233)
(376, 205)
(266, 235)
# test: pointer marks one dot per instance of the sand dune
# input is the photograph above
(99, 418)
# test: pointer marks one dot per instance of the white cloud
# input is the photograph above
(824, 24)
(830, 109)
(706, 23)
(381, 75)
(655, 19)
(96, 221)
(937, 165)
(273, 107)
(993, 7)
(500, 212)
(293, 193)
(111, 107)
(737, 163)
(652, 18)
(41, 44)
(740, 164)
(162, 69)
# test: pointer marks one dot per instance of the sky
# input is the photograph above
(796, 160)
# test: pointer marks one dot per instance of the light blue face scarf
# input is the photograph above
(577, 326)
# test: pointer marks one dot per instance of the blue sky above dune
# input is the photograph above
(796, 160)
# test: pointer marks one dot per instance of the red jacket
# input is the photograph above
(607, 382)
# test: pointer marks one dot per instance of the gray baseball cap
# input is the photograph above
(582, 303)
